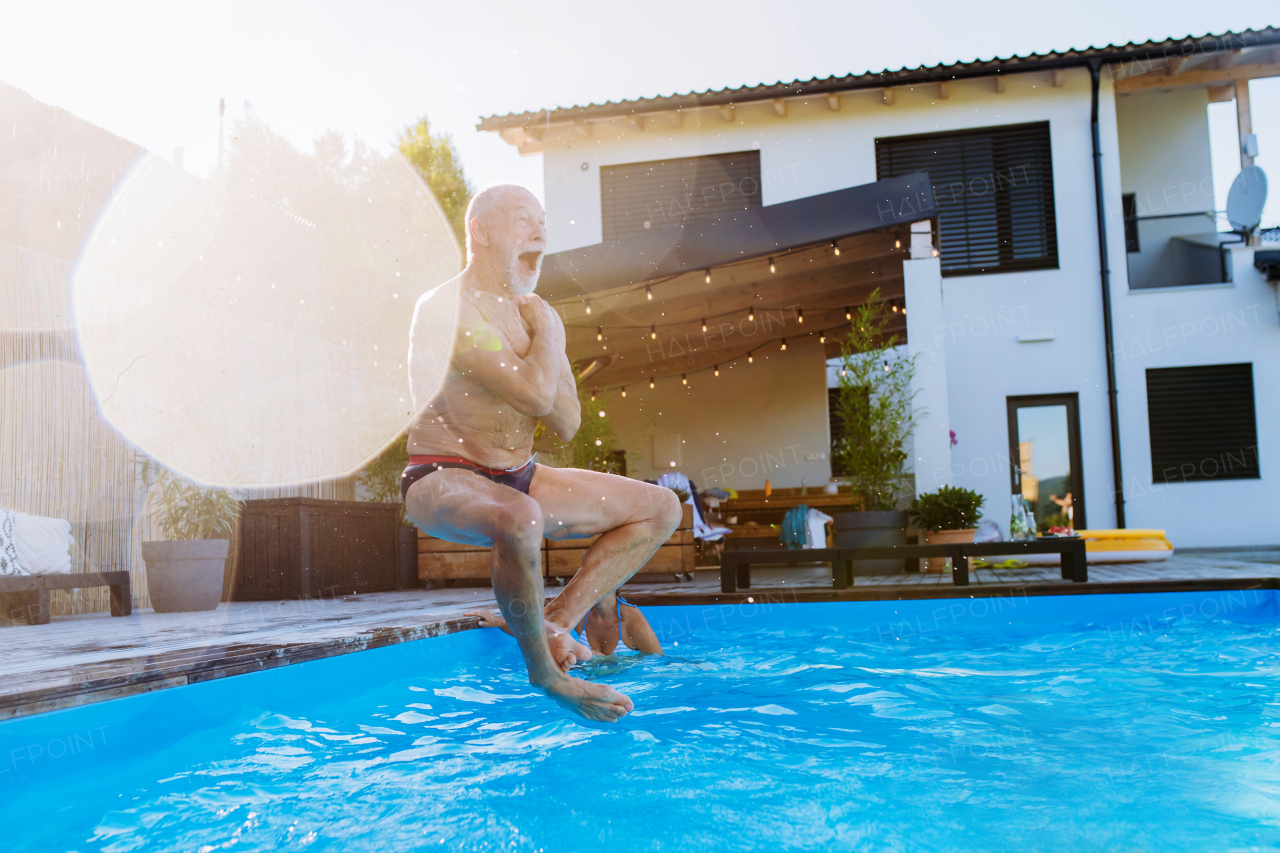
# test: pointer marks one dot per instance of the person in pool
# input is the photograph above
(613, 621)
(471, 476)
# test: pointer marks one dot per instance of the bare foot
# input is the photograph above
(598, 702)
(565, 650)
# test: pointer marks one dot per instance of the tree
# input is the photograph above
(435, 158)
(874, 405)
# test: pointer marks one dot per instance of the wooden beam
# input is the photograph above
(1199, 77)
(675, 118)
(999, 84)
(1222, 94)
(1244, 121)
(944, 90)
(833, 101)
(1176, 65)
(887, 94)
(780, 106)
(582, 128)
(1059, 77)
(726, 112)
(636, 123)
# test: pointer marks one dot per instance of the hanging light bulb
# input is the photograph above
(750, 358)
(904, 310)
(588, 306)
(600, 332)
(836, 248)
(593, 395)
(897, 244)
(653, 331)
(751, 315)
(784, 344)
(895, 307)
(651, 385)
(683, 380)
(717, 370)
(599, 442)
(844, 372)
(822, 338)
(648, 294)
(772, 268)
(935, 253)
(704, 325)
(848, 315)
(708, 279)
(800, 315)
(624, 390)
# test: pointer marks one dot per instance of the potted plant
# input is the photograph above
(874, 407)
(947, 516)
(381, 480)
(186, 571)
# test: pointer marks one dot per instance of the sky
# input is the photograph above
(154, 72)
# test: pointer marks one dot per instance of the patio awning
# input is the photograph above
(660, 305)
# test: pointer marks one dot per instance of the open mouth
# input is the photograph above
(529, 260)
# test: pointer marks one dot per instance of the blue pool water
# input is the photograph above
(1140, 722)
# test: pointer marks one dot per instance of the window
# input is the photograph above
(639, 197)
(1131, 243)
(994, 191)
(1202, 423)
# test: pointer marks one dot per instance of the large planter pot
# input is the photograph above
(938, 565)
(871, 530)
(187, 575)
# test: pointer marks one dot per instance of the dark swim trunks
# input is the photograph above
(420, 466)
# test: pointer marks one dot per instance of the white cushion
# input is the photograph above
(43, 545)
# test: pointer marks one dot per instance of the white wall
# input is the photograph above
(753, 421)
(1164, 150)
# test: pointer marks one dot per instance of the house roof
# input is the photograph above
(1161, 58)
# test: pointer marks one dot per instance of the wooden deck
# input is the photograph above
(90, 657)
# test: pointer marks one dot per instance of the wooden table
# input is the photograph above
(735, 566)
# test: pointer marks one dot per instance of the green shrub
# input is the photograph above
(949, 508)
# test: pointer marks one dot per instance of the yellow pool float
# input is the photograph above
(1107, 546)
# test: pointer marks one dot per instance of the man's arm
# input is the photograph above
(566, 412)
(484, 355)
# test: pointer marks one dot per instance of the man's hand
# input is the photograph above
(543, 320)
(489, 619)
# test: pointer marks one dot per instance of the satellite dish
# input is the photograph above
(1245, 200)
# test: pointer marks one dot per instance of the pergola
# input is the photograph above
(662, 306)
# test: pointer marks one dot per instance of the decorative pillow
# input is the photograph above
(9, 564)
(43, 544)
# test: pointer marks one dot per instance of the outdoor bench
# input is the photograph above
(34, 591)
(735, 566)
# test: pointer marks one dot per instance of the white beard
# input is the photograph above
(517, 280)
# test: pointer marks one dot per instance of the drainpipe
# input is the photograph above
(1105, 272)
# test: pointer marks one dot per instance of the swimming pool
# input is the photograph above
(1072, 722)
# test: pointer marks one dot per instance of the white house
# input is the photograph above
(688, 288)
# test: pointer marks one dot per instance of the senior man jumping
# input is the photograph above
(472, 478)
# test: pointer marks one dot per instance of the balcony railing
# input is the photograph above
(1175, 250)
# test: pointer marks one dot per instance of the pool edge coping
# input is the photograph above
(172, 669)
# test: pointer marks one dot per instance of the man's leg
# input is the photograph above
(635, 518)
(462, 506)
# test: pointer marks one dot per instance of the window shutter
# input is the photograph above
(994, 191)
(1202, 423)
(639, 197)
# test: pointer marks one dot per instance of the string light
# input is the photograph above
(772, 268)
(751, 315)
(588, 303)
(822, 338)
(593, 395)
(836, 247)
(624, 390)
(599, 442)
(784, 344)
(895, 307)
(648, 294)
(708, 276)
(750, 358)
(935, 253)
(600, 331)
(651, 385)
(897, 244)
(717, 370)
(653, 331)
(683, 380)
(800, 315)
(904, 311)
(848, 315)
(704, 324)
(886, 367)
